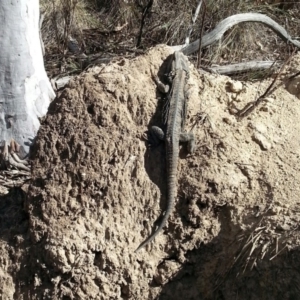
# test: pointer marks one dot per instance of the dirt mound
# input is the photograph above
(97, 192)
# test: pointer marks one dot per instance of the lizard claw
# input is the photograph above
(147, 138)
(11, 158)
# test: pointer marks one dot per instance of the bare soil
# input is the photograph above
(97, 191)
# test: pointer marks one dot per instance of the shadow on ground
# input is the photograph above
(230, 267)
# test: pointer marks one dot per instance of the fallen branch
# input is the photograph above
(226, 24)
(242, 67)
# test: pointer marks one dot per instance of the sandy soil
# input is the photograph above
(98, 190)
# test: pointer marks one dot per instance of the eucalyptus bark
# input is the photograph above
(25, 90)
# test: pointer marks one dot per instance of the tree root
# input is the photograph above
(10, 156)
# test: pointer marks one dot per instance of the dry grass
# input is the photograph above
(96, 26)
(248, 41)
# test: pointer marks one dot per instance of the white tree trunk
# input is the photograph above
(25, 90)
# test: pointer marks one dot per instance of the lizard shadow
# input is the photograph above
(155, 155)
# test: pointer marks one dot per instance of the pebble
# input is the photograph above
(261, 141)
(234, 86)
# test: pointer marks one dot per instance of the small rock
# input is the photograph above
(294, 87)
(166, 271)
(261, 141)
(234, 87)
(265, 109)
(227, 121)
(269, 100)
(268, 105)
(259, 127)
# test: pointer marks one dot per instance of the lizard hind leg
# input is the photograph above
(188, 138)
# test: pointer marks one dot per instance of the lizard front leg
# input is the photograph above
(157, 135)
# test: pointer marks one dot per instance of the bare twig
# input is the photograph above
(285, 81)
(276, 250)
(252, 105)
(144, 15)
(190, 29)
(200, 37)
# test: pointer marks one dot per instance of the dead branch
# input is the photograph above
(144, 15)
(242, 67)
(190, 29)
(227, 23)
(250, 107)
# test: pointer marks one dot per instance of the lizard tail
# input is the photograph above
(157, 231)
(170, 201)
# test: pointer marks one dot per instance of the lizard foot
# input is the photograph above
(10, 156)
(150, 139)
